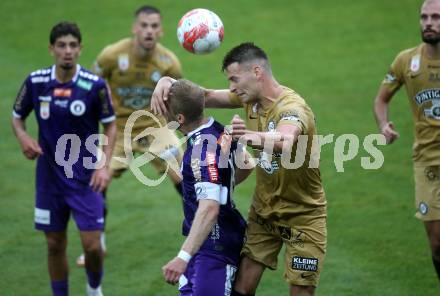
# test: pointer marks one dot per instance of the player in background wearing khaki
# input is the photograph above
(418, 69)
(289, 205)
(132, 67)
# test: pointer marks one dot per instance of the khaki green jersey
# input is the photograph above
(132, 79)
(282, 193)
(421, 77)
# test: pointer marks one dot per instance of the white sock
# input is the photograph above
(94, 292)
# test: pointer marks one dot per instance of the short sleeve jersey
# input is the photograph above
(132, 79)
(282, 192)
(421, 77)
(208, 173)
(68, 116)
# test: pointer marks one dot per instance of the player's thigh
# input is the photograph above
(87, 209)
(305, 251)
(427, 191)
(262, 244)
(51, 213)
(213, 276)
(117, 167)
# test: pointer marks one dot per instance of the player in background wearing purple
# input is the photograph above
(208, 259)
(69, 102)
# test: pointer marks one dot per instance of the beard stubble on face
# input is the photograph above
(432, 39)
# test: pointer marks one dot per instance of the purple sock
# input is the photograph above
(94, 278)
(60, 288)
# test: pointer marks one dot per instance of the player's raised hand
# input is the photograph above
(160, 95)
(100, 179)
(30, 147)
(173, 270)
(238, 127)
(389, 132)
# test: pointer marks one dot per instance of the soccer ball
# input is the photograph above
(200, 31)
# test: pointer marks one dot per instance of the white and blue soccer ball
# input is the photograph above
(200, 31)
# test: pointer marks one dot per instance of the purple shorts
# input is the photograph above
(52, 210)
(208, 274)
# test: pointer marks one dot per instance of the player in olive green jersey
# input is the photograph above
(289, 205)
(132, 67)
(418, 69)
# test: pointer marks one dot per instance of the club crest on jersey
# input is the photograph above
(155, 76)
(44, 110)
(77, 108)
(434, 111)
(123, 62)
(423, 208)
(271, 126)
(415, 63)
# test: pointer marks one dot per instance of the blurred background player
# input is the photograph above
(418, 69)
(289, 205)
(67, 100)
(132, 67)
(208, 259)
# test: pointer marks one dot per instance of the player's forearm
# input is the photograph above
(205, 217)
(19, 127)
(381, 112)
(261, 140)
(110, 134)
(218, 98)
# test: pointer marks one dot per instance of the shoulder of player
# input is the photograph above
(290, 99)
(40, 75)
(89, 76)
(407, 54)
(112, 51)
(165, 55)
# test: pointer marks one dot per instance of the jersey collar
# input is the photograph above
(206, 125)
(75, 77)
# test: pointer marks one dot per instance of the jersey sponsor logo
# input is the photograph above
(390, 78)
(431, 173)
(289, 116)
(304, 263)
(434, 77)
(42, 216)
(434, 111)
(84, 84)
(62, 92)
(212, 167)
(155, 76)
(423, 208)
(77, 108)
(415, 63)
(137, 97)
(430, 95)
(44, 110)
(123, 62)
(268, 166)
(61, 103)
(195, 166)
(215, 232)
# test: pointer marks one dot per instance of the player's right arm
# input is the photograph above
(390, 85)
(22, 107)
(213, 98)
(381, 103)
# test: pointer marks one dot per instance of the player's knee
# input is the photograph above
(55, 246)
(302, 290)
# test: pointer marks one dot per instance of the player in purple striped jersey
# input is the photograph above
(214, 228)
(69, 102)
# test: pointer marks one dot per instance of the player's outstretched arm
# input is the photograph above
(205, 217)
(381, 104)
(213, 98)
(101, 176)
(29, 146)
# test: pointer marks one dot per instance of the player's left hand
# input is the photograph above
(238, 127)
(173, 270)
(100, 179)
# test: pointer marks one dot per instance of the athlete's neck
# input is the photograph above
(270, 93)
(140, 51)
(64, 75)
(187, 128)
(432, 51)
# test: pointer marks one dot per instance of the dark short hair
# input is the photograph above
(242, 53)
(62, 29)
(146, 9)
(188, 99)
